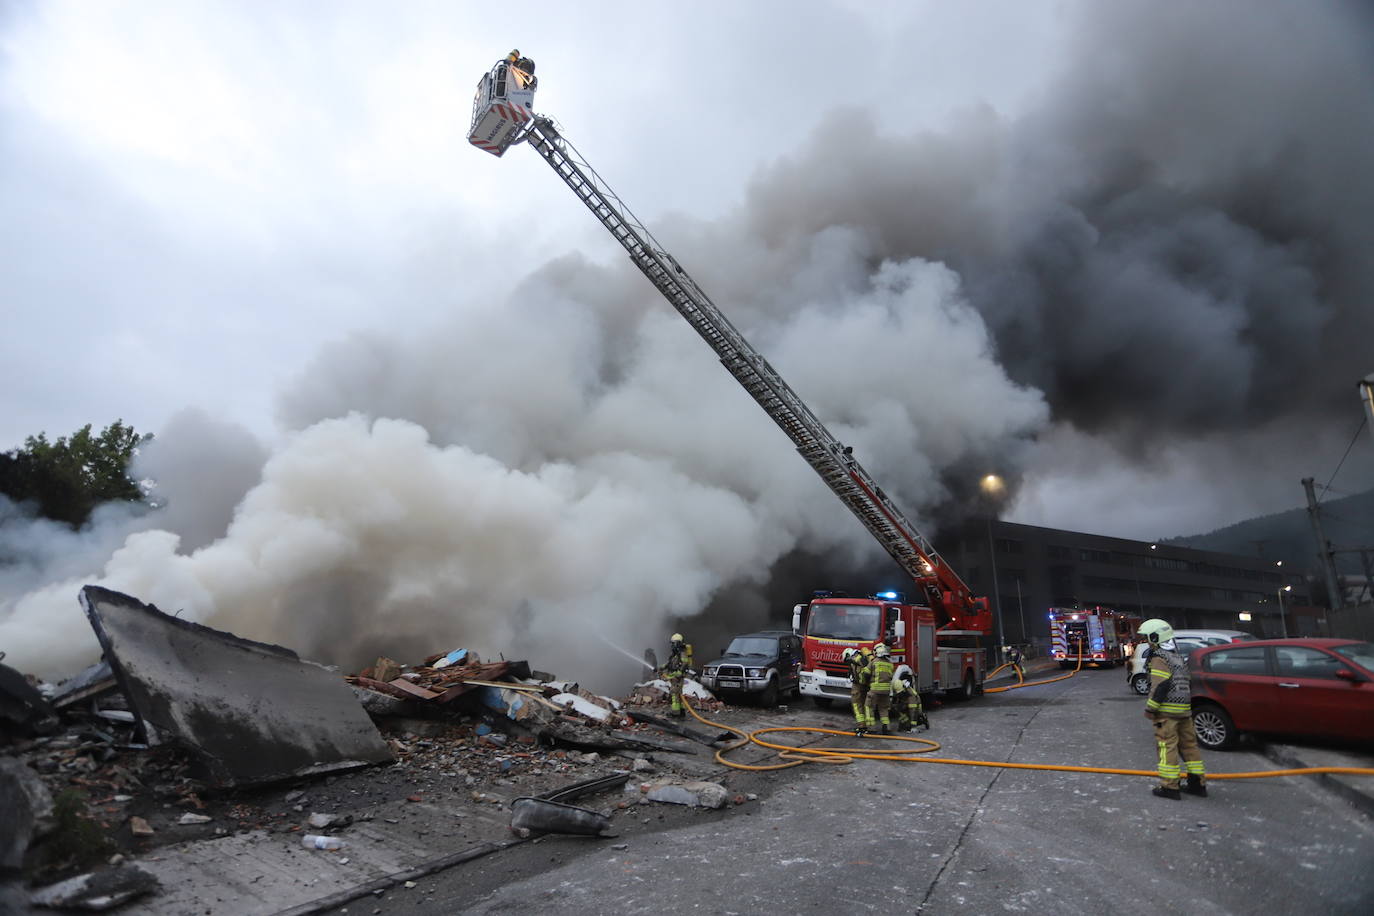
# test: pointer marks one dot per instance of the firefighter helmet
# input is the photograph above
(1157, 631)
(847, 654)
(881, 651)
(514, 55)
(904, 673)
(676, 639)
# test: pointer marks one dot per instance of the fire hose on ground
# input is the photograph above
(793, 756)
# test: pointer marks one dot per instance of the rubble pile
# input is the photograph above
(182, 733)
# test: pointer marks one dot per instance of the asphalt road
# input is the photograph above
(928, 838)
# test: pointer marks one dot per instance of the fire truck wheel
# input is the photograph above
(967, 690)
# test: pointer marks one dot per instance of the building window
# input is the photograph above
(1007, 545)
(1058, 552)
(1094, 556)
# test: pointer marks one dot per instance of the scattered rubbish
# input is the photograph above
(101, 890)
(315, 841)
(323, 821)
(531, 815)
(409, 885)
(621, 846)
(192, 818)
(140, 827)
(642, 766)
(222, 696)
(93, 682)
(456, 657)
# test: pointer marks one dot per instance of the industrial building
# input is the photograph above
(1025, 570)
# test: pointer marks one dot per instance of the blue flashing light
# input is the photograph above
(890, 596)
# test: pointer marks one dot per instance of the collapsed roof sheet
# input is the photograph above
(252, 712)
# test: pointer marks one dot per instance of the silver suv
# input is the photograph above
(1138, 672)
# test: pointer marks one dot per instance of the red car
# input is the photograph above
(1308, 688)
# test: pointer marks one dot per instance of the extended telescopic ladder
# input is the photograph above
(944, 590)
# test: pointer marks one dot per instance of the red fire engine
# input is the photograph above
(1096, 636)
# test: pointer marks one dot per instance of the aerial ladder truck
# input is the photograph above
(938, 632)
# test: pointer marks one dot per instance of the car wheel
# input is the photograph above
(823, 702)
(1215, 730)
(769, 697)
(1140, 683)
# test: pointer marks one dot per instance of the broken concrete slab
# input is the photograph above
(101, 890)
(250, 712)
(26, 811)
(695, 794)
(22, 708)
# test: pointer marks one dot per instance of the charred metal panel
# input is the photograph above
(252, 712)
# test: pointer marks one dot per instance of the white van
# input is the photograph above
(1137, 673)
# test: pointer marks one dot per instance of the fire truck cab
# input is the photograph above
(944, 660)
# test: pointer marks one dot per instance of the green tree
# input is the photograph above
(65, 480)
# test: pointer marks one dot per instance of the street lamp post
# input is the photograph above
(993, 487)
(1283, 617)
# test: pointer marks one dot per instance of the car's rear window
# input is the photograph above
(1241, 660)
(1361, 653)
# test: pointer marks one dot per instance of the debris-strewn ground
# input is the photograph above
(464, 736)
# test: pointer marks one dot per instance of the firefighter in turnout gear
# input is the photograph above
(906, 701)
(1170, 709)
(857, 660)
(879, 680)
(675, 670)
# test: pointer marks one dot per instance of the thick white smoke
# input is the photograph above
(582, 493)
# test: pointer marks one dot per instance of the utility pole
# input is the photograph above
(1324, 550)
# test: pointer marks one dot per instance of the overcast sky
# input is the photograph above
(1115, 251)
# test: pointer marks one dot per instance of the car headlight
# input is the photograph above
(755, 672)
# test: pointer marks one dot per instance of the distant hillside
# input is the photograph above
(1287, 536)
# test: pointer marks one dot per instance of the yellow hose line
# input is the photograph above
(1026, 683)
(796, 756)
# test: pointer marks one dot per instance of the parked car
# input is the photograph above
(1302, 688)
(1138, 673)
(766, 664)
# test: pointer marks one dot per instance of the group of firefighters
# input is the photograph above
(878, 689)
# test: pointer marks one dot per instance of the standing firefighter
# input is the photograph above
(679, 663)
(879, 688)
(906, 701)
(858, 688)
(1170, 708)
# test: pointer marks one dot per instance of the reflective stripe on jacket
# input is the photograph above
(1169, 688)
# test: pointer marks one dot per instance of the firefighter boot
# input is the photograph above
(860, 731)
(1195, 786)
(1162, 792)
(885, 731)
(923, 721)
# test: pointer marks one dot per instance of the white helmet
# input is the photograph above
(847, 654)
(1157, 631)
(904, 673)
(881, 651)
(676, 638)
